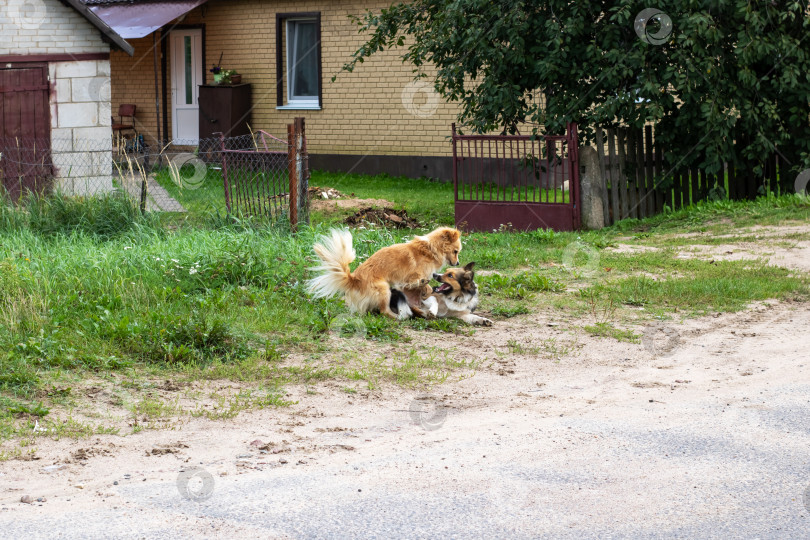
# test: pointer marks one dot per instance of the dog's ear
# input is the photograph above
(451, 235)
(469, 267)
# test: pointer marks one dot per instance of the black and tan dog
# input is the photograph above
(403, 267)
(455, 297)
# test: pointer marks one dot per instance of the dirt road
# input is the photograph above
(605, 440)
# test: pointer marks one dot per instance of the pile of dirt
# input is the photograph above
(163, 449)
(387, 217)
(83, 454)
(316, 192)
(342, 204)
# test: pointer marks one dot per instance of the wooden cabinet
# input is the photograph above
(224, 109)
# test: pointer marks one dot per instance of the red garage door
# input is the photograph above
(25, 129)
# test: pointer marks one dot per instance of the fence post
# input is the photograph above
(293, 179)
(224, 172)
(301, 170)
(455, 164)
(144, 189)
(600, 152)
(574, 186)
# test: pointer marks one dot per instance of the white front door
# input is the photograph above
(186, 62)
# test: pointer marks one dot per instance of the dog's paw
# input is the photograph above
(476, 320)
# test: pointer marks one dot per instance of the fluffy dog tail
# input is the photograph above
(336, 253)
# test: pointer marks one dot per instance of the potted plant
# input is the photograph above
(230, 76)
(218, 74)
(225, 76)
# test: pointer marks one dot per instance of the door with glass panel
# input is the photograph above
(186, 69)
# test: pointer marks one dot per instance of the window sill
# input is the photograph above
(298, 107)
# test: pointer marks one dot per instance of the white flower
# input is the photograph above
(175, 261)
(127, 247)
(192, 271)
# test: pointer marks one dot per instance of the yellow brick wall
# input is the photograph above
(133, 81)
(363, 112)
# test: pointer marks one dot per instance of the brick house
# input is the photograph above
(54, 95)
(375, 119)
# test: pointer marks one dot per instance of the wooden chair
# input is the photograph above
(125, 111)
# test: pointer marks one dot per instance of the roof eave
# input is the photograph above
(105, 29)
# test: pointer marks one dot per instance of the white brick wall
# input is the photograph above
(45, 26)
(80, 126)
(80, 100)
(76, 115)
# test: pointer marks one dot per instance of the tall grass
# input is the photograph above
(103, 216)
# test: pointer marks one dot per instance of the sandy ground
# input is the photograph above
(339, 204)
(768, 244)
(699, 431)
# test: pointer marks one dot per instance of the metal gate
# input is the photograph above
(518, 181)
(25, 129)
(267, 176)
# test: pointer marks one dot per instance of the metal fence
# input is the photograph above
(265, 175)
(521, 181)
(255, 175)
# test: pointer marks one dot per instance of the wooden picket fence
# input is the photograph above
(638, 184)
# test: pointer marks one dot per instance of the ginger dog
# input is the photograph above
(406, 267)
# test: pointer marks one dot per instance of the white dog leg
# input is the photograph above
(432, 305)
(469, 318)
(404, 311)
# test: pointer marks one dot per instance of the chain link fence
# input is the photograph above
(250, 175)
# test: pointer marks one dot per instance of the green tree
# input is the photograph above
(728, 81)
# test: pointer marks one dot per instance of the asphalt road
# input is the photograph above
(732, 471)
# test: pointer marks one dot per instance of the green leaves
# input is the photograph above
(730, 84)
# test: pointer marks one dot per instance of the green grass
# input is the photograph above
(606, 329)
(515, 347)
(723, 216)
(90, 290)
(518, 286)
(201, 198)
(708, 287)
(430, 201)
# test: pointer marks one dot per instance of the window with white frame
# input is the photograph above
(301, 85)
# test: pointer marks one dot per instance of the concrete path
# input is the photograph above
(157, 198)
